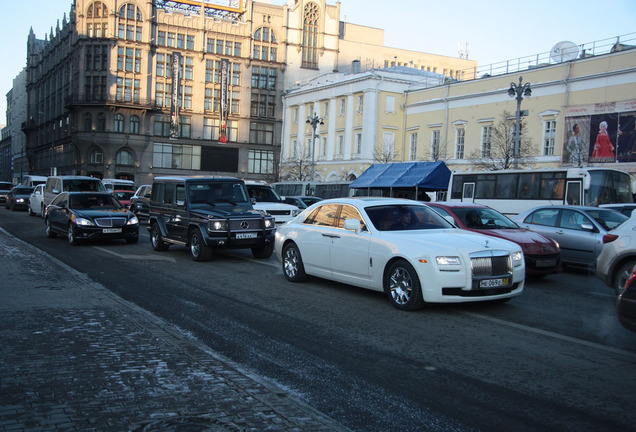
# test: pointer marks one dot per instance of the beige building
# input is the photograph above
(467, 124)
(103, 93)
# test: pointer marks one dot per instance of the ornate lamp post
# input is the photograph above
(519, 90)
(314, 121)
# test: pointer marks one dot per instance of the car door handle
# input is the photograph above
(331, 235)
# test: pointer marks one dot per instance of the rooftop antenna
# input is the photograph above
(564, 51)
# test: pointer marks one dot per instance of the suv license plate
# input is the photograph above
(111, 230)
(240, 236)
(493, 283)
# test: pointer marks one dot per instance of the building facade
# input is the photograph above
(135, 89)
(469, 124)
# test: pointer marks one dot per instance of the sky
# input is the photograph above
(494, 30)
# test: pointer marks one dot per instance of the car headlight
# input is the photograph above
(19, 200)
(448, 263)
(132, 221)
(83, 221)
(269, 223)
(295, 213)
(218, 225)
(517, 258)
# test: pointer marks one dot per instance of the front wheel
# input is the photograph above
(48, 230)
(403, 286)
(155, 239)
(263, 252)
(198, 249)
(72, 238)
(293, 267)
(623, 273)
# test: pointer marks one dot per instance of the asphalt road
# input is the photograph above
(554, 359)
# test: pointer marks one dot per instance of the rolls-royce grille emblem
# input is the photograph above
(245, 225)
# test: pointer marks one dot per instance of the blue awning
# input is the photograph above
(424, 175)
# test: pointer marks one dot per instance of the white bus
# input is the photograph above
(513, 191)
(318, 189)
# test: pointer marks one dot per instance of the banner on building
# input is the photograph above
(603, 132)
(175, 101)
(225, 78)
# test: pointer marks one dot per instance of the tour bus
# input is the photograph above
(513, 191)
(318, 189)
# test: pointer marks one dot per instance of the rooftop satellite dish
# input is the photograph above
(564, 51)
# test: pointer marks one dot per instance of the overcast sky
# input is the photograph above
(494, 30)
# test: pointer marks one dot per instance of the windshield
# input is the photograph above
(609, 187)
(264, 194)
(23, 190)
(83, 185)
(483, 218)
(212, 194)
(400, 217)
(94, 202)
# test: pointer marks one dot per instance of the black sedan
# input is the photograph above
(626, 303)
(18, 198)
(90, 215)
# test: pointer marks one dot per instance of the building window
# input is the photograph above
(124, 157)
(134, 124)
(390, 104)
(340, 145)
(162, 125)
(342, 104)
(323, 146)
(486, 141)
(358, 143)
(161, 38)
(185, 126)
(435, 141)
(118, 124)
(413, 146)
(97, 20)
(325, 109)
(310, 36)
(130, 21)
(101, 122)
(549, 131)
(207, 128)
(170, 41)
(388, 146)
(260, 162)
(359, 104)
(186, 94)
(261, 133)
(176, 156)
(96, 157)
(88, 122)
(459, 143)
(263, 105)
(294, 115)
(265, 44)
(237, 49)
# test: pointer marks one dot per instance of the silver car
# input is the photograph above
(618, 256)
(578, 230)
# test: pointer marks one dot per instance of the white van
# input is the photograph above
(33, 180)
(57, 184)
(112, 184)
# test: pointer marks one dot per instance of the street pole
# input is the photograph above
(519, 90)
(314, 121)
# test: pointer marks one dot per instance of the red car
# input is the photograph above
(542, 254)
(124, 196)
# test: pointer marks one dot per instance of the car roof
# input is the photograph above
(193, 178)
(369, 201)
(458, 205)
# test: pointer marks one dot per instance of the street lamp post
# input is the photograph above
(314, 121)
(519, 90)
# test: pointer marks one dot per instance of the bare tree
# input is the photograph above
(386, 154)
(297, 166)
(500, 154)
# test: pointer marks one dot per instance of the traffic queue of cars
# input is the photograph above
(414, 252)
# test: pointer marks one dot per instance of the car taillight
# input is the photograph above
(630, 279)
(608, 238)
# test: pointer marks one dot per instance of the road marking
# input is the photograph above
(553, 335)
(137, 257)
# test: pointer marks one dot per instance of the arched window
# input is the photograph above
(118, 125)
(88, 121)
(310, 36)
(124, 157)
(130, 22)
(101, 122)
(134, 124)
(265, 44)
(97, 156)
(97, 20)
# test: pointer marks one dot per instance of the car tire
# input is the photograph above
(30, 211)
(42, 210)
(293, 267)
(48, 230)
(263, 252)
(403, 287)
(198, 249)
(155, 239)
(622, 274)
(71, 236)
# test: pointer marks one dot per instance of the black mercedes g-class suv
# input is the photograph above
(204, 213)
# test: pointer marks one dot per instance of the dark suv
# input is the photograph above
(204, 213)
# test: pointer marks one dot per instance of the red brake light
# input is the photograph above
(608, 238)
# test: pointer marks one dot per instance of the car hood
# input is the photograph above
(450, 239)
(95, 213)
(530, 241)
(226, 212)
(274, 206)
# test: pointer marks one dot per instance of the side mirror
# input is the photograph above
(587, 227)
(450, 220)
(353, 225)
(180, 203)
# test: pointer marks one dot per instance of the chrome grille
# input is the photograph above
(246, 224)
(491, 264)
(110, 222)
(279, 212)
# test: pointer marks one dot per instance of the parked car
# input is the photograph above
(626, 303)
(400, 247)
(267, 200)
(33, 180)
(123, 196)
(18, 198)
(90, 215)
(35, 201)
(624, 208)
(541, 253)
(140, 201)
(207, 213)
(618, 256)
(302, 202)
(579, 230)
(5, 188)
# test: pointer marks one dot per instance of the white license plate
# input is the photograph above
(241, 236)
(111, 230)
(493, 283)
